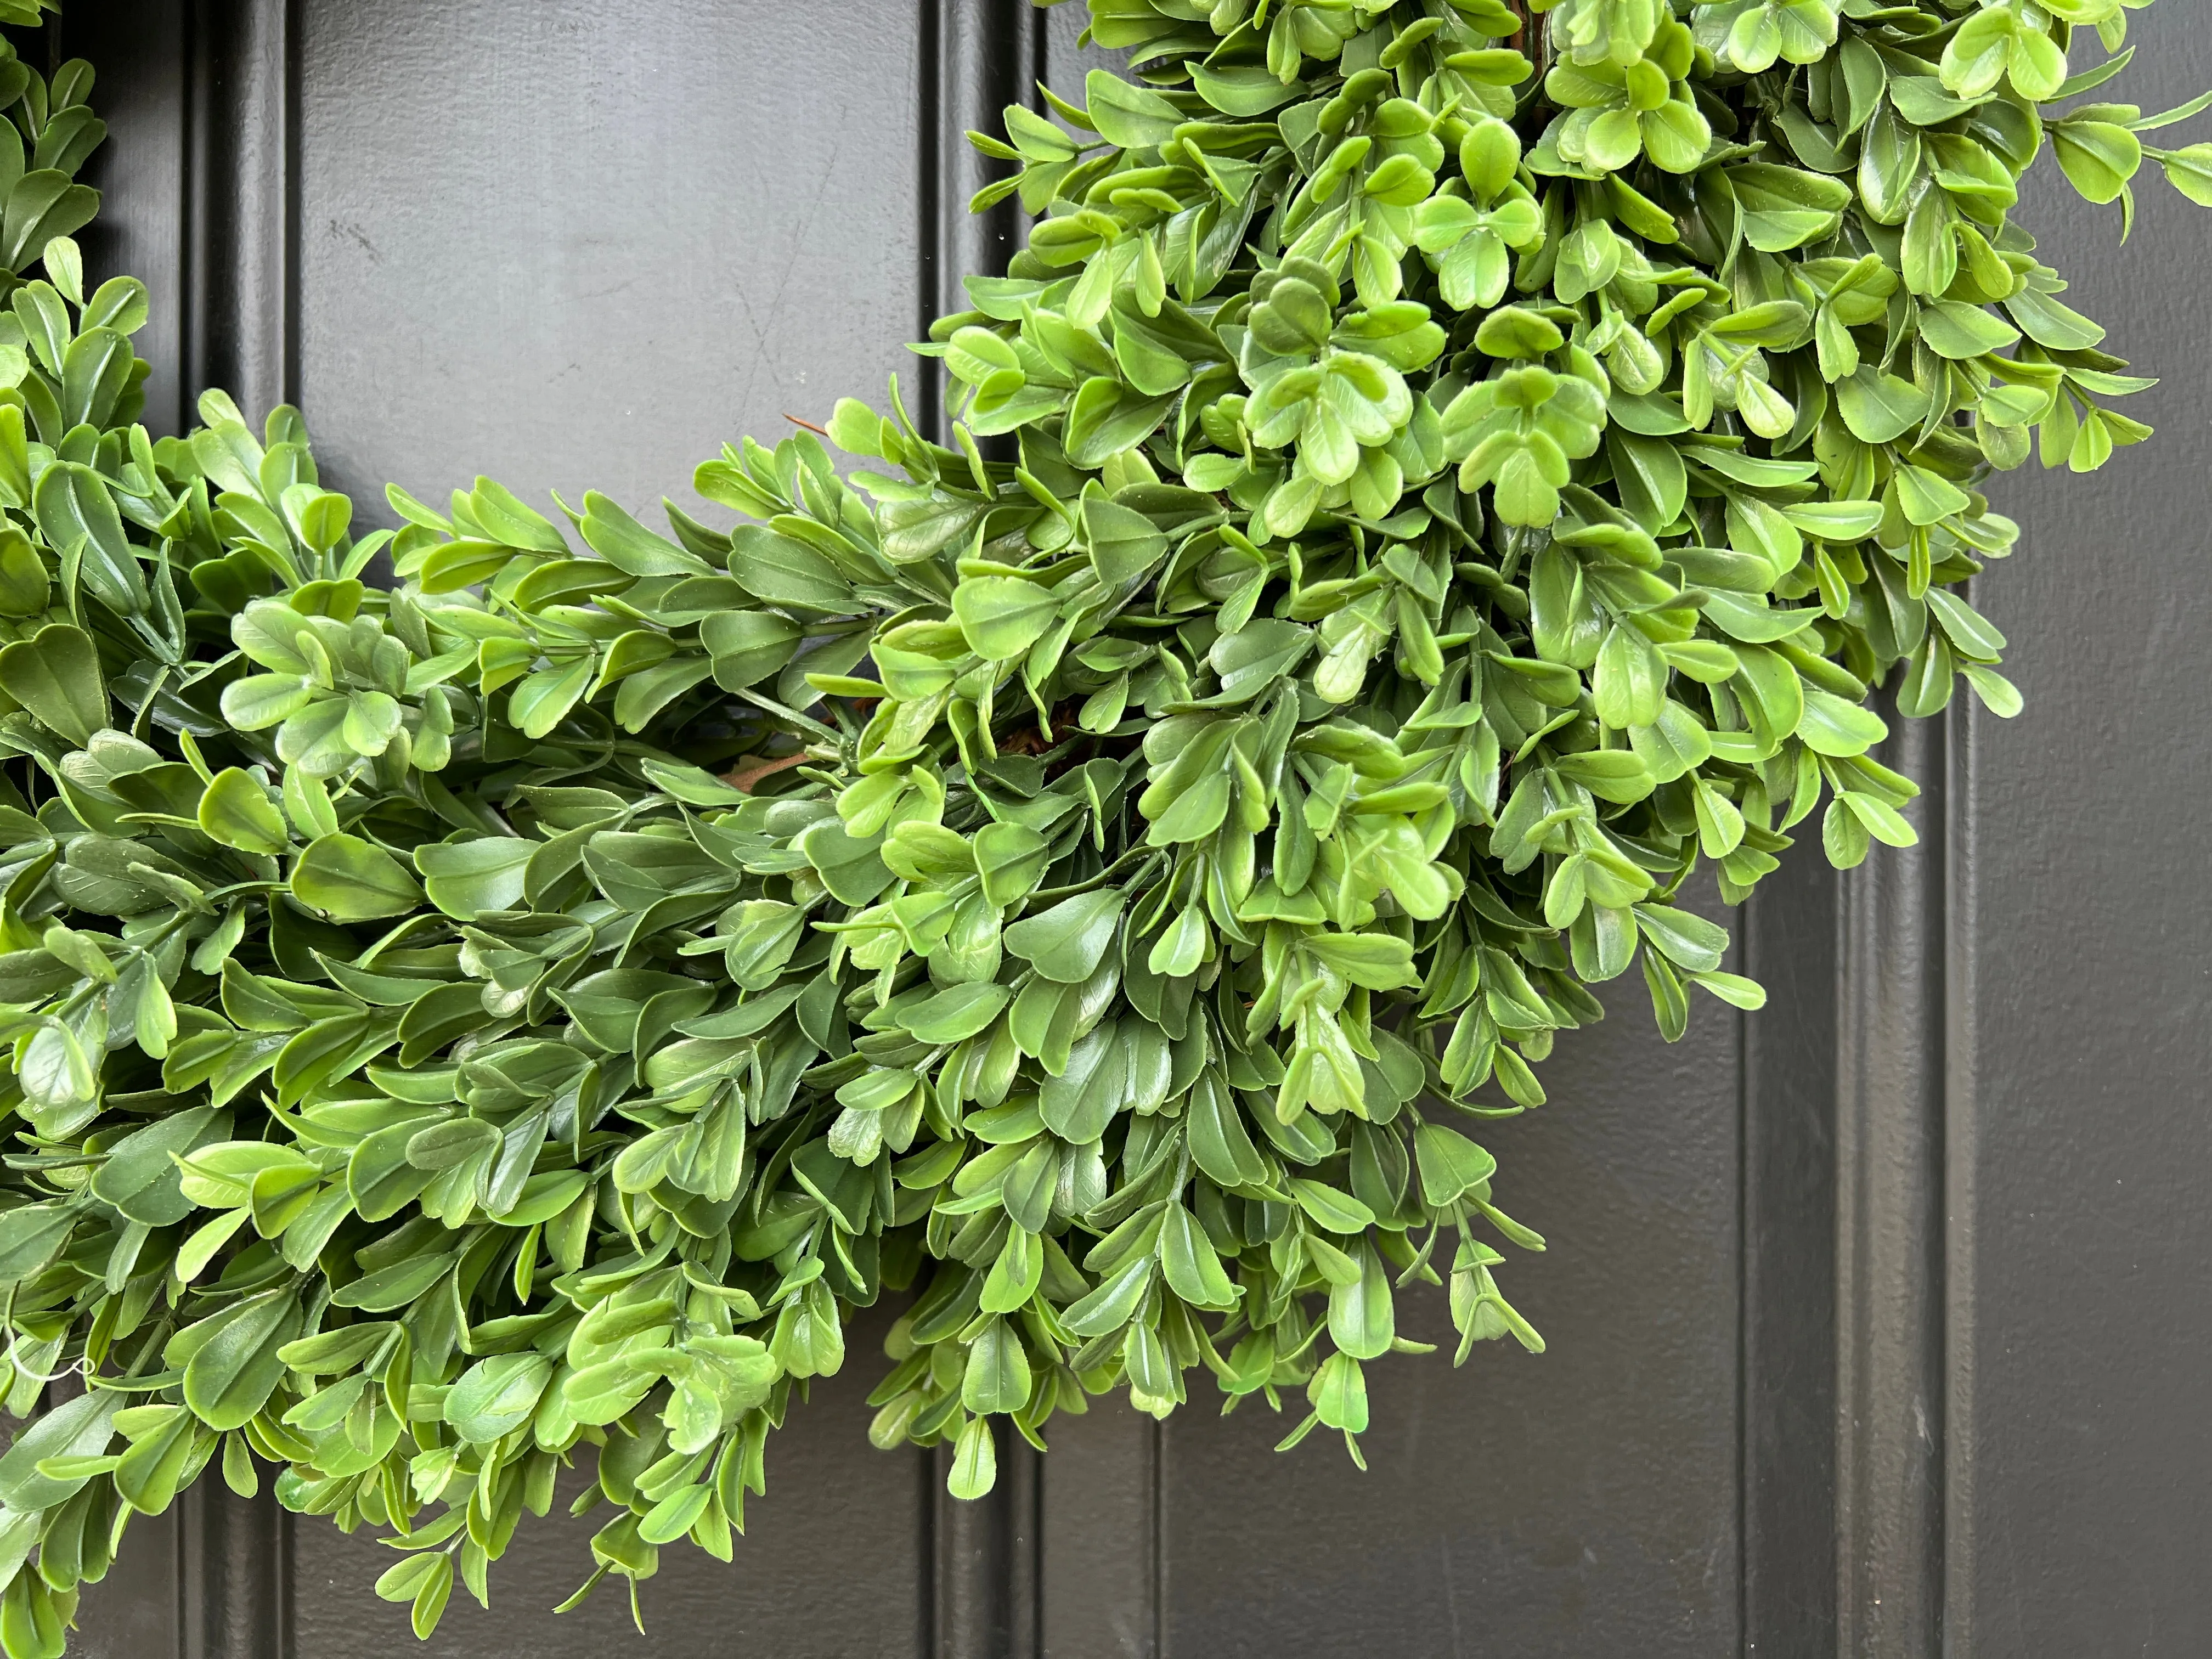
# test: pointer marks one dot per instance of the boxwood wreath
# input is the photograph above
(1410, 506)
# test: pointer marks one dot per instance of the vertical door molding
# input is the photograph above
(1791, 939)
(1961, 1154)
(1067, 1554)
(237, 331)
(241, 236)
(1900, 1203)
(138, 51)
(1858, 1212)
(985, 1602)
(1102, 1569)
(197, 181)
(233, 1572)
(977, 57)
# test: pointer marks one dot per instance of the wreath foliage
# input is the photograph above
(1409, 506)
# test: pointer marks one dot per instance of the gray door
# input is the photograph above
(1890, 1342)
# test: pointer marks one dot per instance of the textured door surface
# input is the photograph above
(1876, 1319)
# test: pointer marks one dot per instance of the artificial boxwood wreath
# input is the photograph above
(1410, 507)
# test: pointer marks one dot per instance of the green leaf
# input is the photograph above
(1189, 1262)
(1113, 1303)
(1515, 331)
(236, 810)
(694, 786)
(1080, 1103)
(1001, 617)
(1734, 989)
(496, 1396)
(956, 1013)
(233, 1373)
(1882, 821)
(55, 674)
(342, 1350)
(975, 1461)
(25, 588)
(1688, 939)
(1129, 115)
(1880, 407)
(542, 701)
(141, 1178)
(1017, 1273)
(1330, 1210)
(1124, 545)
(467, 878)
(1257, 656)
(2189, 170)
(1338, 1393)
(1956, 330)
(260, 701)
(674, 1515)
(1242, 91)
(42, 205)
(1009, 858)
(779, 571)
(1833, 727)
(748, 646)
(997, 1377)
(1450, 1165)
(29, 1236)
(2048, 323)
(1219, 1142)
(1783, 207)
(1067, 941)
(430, 1599)
(1107, 417)
(850, 866)
(1998, 693)
(512, 522)
(349, 879)
(79, 518)
(1836, 521)
(147, 1476)
(1362, 1319)
(2098, 156)
(77, 1428)
(1969, 630)
(628, 546)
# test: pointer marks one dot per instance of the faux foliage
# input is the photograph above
(1427, 488)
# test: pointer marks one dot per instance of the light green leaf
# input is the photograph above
(349, 879)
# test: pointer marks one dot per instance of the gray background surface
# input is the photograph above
(1878, 1321)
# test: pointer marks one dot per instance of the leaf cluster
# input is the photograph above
(1428, 490)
